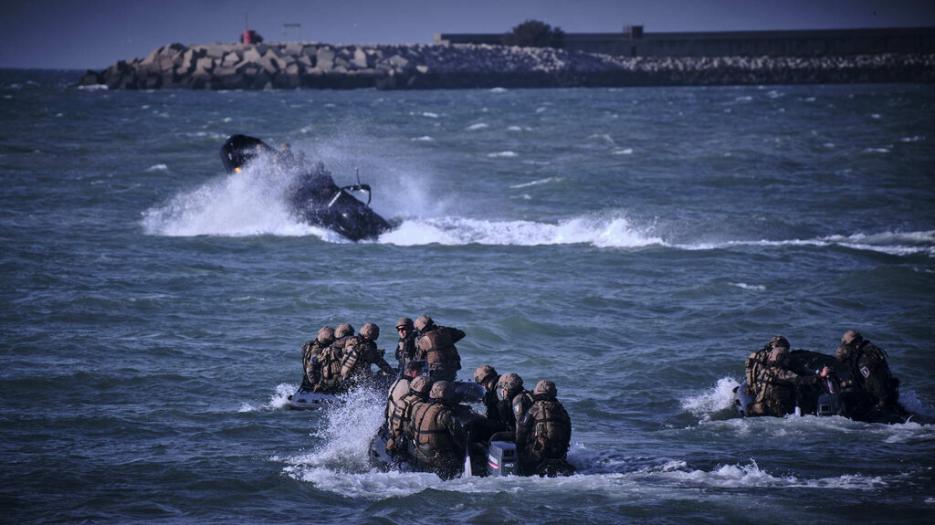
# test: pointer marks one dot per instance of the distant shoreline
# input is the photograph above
(454, 66)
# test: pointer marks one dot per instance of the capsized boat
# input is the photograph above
(315, 199)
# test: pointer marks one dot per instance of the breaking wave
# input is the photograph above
(615, 232)
(710, 402)
(892, 243)
(277, 400)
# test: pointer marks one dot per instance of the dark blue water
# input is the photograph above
(633, 245)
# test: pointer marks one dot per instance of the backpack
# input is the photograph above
(755, 362)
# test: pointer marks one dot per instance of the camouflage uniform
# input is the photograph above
(439, 441)
(359, 353)
(776, 387)
(543, 434)
(436, 346)
(868, 386)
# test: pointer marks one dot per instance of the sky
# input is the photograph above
(93, 34)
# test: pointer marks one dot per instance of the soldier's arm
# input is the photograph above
(522, 428)
(456, 335)
(383, 365)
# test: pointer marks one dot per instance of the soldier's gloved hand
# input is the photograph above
(390, 445)
(825, 372)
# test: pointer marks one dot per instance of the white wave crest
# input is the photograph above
(502, 155)
(751, 287)
(251, 202)
(613, 232)
(622, 151)
(477, 126)
(423, 138)
(157, 167)
(892, 243)
(751, 475)
(717, 399)
(536, 182)
(278, 400)
(94, 87)
(498, 90)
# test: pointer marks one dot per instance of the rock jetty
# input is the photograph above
(423, 66)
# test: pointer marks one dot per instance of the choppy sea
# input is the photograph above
(633, 245)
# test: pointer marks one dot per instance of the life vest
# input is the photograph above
(438, 349)
(550, 435)
(398, 420)
(755, 362)
(431, 435)
(330, 364)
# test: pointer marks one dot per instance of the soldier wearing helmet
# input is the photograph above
(512, 402)
(868, 388)
(310, 352)
(439, 441)
(436, 346)
(775, 385)
(360, 352)
(406, 347)
(396, 404)
(543, 434)
(487, 377)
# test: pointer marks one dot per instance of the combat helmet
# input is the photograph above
(442, 391)
(424, 322)
(343, 329)
(508, 385)
(404, 322)
(325, 335)
(779, 341)
(851, 338)
(420, 385)
(545, 389)
(370, 331)
(483, 373)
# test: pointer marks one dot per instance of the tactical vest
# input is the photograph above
(392, 398)
(330, 361)
(358, 356)
(551, 429)
(520, 404)
(399, 419)
(777, 395)
(429, 431)
(755, 362)
(439, 350)
(309, 350)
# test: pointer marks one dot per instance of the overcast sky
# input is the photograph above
(97, 33)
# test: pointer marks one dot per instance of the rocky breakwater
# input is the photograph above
(316, 65)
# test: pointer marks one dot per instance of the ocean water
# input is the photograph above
(633, 245)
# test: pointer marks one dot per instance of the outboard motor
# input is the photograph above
(501, 459)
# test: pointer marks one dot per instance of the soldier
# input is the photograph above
(436, 346)
(868, 389)
(398, 390)
(360, 352)
(341, 333)
(487, 377)
(758, 360)
(310, 352)
(399, 421)
(775, 385)
(512, 403)
(406, 347)
(439, 440)
(543, 435)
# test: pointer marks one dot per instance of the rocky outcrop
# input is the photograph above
(419, 66)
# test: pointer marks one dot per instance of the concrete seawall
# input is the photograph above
(419, 66)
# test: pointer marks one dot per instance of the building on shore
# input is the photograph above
(634, 42)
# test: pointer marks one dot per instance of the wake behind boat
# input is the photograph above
(315, 199)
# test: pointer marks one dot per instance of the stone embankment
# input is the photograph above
(316, 65)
